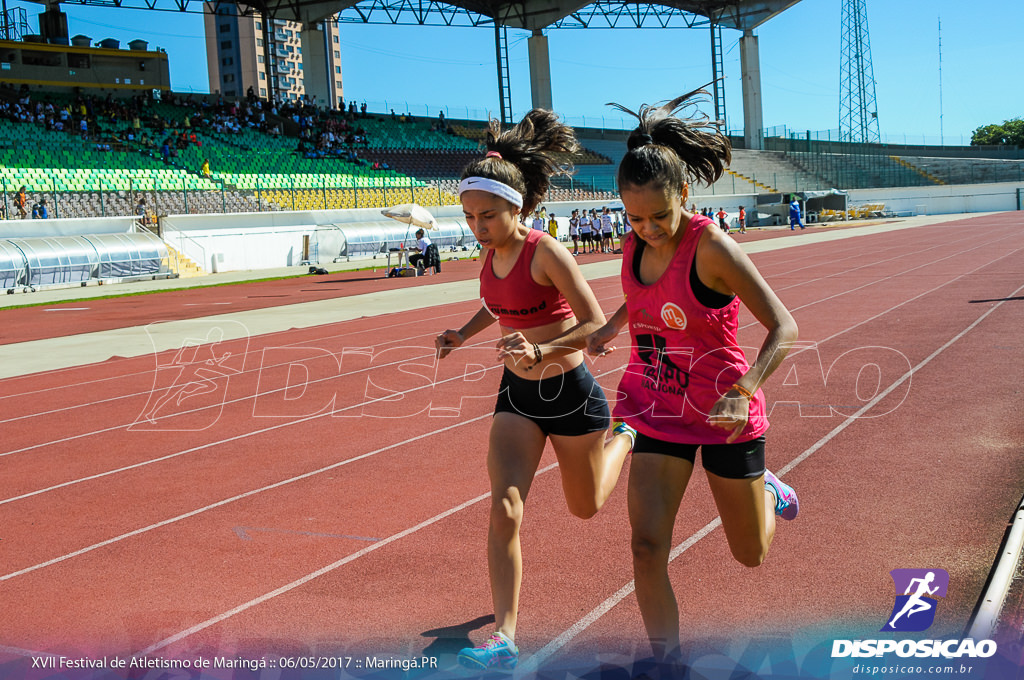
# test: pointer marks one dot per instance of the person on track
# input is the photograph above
(687, 385)
(531, 285)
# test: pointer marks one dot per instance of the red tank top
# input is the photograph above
(684, 356)
(517, 300)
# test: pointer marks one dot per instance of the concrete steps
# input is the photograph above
(181, 264)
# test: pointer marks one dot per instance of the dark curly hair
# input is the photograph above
(669, 149)
(526, 163)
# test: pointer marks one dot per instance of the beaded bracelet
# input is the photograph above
(743, 391)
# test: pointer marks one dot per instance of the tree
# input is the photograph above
(1010, 133)
(1014, 131)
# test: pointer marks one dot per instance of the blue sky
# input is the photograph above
(421, 69)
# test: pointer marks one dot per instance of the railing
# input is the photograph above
(167, 233)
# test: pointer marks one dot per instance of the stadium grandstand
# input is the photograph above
(302, 158)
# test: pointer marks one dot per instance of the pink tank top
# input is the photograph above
(684, 355)
(517, 300)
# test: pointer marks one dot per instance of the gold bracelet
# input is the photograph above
(743, 391)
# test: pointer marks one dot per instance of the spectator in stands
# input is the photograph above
(205, 170)
(140, 210)
(416, 259)
(39, 211)
(794, 214)
(21, 202)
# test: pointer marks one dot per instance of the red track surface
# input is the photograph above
(351, 514)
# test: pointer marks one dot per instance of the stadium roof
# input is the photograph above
(530, 15)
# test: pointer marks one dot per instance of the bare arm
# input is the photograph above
(451, 339)
(597, 342)
(563, 272)
(725, 268)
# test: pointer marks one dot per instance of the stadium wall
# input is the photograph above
(943, 200)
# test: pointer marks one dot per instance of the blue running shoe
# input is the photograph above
(621, 428)
(786, 503)
(498, 652)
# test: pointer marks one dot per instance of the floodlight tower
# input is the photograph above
(858, 109)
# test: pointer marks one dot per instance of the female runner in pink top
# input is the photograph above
(688, 385)
(531, 285)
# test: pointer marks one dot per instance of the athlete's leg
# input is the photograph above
(747, 509)
(590, 468)
(516, 446)
(656, 486)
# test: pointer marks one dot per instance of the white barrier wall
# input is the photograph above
(942, 200)
(244, 241)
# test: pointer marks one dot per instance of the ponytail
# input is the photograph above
(670, 150)
(522, 156)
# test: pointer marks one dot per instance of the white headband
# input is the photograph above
(492, 187)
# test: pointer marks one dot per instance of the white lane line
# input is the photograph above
(226, 501)
(895, 276)
(238, 437)
(319, 572)
(17, 651)
(534, 662)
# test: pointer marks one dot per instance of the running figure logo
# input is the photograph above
(195, 361)
(917, 591)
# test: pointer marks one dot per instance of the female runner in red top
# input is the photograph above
(532, 286)
(688, 385)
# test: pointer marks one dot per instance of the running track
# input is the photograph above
(322, 490)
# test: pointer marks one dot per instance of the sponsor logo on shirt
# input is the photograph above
(673, 316)
(498, 310)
